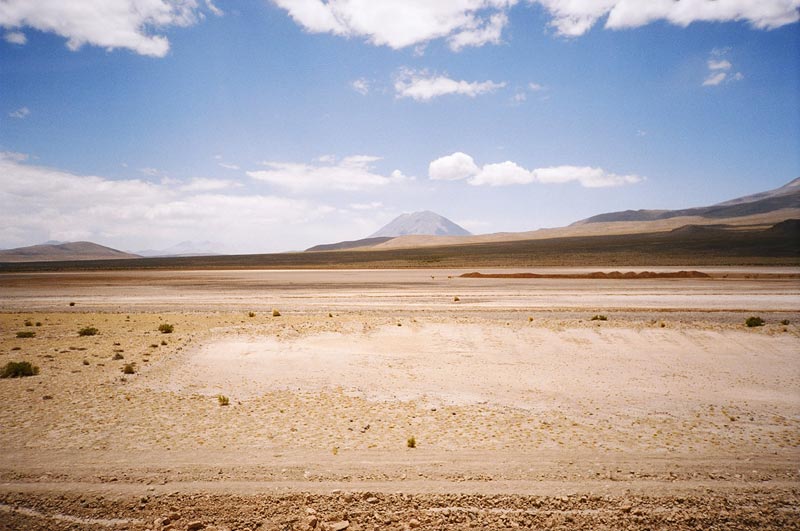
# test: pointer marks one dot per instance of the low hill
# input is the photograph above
(63, 251)
(354, 244)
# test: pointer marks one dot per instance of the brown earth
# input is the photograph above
(525, 412)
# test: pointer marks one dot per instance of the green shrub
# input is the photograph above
(411, 442)
(18, 369)
(223, 400)
(88, 331)
(599, 318)
(129, 368)
(26, 333)
(785, 322)
(754, 321)
(166, 328)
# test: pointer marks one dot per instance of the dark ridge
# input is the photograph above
(614, 275)
(352, 244)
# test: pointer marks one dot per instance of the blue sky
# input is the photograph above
(266, 126)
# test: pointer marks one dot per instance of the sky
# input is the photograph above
(272, 125)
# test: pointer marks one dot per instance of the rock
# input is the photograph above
(195, 526)
(372, 499)
(312, 521)
(413, 523)
(310, 511)
(338, 526)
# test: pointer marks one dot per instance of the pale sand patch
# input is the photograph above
(622, 369)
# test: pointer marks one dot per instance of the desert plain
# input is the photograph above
(401, 399)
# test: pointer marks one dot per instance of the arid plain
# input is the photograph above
(525, 412)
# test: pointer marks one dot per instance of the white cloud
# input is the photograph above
(150, 172)
(15, 37)
(366, 206)
(361, 86)
(20, 113)
(351, 173)
(576, 17)
(228, 166)
(719, 69)
(39, 204)
(213, 8)
(422, 86)
(714, 79)
(452, 167)
(480, 33)
(202, 184)
(461, 166)
(535, 87)
(402, 23)
(131, 24)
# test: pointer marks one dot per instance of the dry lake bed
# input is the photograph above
(523, 411)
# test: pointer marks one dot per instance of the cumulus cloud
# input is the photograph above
(20, 113)
(350, 173)
(15, 37)
(423, 86)
(460, 166)
(131, 24)
(453, 167)
(39, 204)
(720, 69)
(574, 18)
(402, 23)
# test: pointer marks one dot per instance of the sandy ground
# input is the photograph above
(526, 413)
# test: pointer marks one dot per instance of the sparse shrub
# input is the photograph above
(663, 325)
(26, 333)
(72, 304)
(38, 323)
(456, 299)
(163, 342)
(330, 315)
(28, 322)
(411, 442)
(276, 313)
(18, 369)
(251, 314)
(223, 400)
(154, 345)
(335, 450)
(47, 397)
(754, 321)
(129, 368)
(88, 331)
(530, 319)
(16, 348)
(166, 328)
(118, 356)
(785, 322)
(86, 362)
(599, 318)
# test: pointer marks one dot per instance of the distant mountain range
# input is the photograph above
(185, 248)
(777, 209)
(51, 252)
(787, 196)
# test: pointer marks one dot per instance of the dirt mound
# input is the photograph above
(614, 275)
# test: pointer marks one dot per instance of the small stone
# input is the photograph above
(338, 526)
(413, 523)
(372, 499)
(195, 526)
